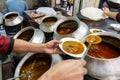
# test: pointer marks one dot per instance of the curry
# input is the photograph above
(73, 47)
(35, 67)
(67, 27)
(26, 35)
(104, 50)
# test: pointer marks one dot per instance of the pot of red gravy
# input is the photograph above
(103, 59)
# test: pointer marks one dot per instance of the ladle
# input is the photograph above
(91, 39)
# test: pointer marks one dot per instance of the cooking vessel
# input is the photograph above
(30, 34)
(12, 19)
(70, 27)
(1, 18)
(54, 59)
(114, 3)
(47, 23)
(105, 69)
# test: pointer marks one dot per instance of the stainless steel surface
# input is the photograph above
(84, 55)
(55, 59)
(78, 34)
(46, 28)
(1, 18)
(104, 69)
(12, 22)
(114, 3)
(0, 70)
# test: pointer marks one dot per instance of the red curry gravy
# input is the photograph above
(104, 50)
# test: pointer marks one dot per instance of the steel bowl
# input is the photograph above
(105, 69)
(29, 34)
(54, 58)
(12, 19)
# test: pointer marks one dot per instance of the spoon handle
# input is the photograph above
(86, 51)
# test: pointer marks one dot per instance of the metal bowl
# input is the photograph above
(54, 58)
(105, 69)
(12, 19)
(29, 34)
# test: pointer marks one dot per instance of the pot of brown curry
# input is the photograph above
(103, 59)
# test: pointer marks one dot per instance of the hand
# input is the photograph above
(106, 10)
(66, 70)
(52, 47)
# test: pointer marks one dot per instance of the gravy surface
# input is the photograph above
(104, 50)
(73, 47)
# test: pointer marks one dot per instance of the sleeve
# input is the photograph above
(6, 45)
(118, 17)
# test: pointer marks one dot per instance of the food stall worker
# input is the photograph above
(64, 70)
(16, 6)
(114, 15)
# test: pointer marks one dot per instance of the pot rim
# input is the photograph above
(23, 30)
(54, 59)
(64, 20)
(111, 34)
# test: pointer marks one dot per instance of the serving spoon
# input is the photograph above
(91, 39)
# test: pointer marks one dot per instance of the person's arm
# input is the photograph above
(66, 70)
(110, 13)
(24, 46)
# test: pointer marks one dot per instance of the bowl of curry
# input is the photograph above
(72, 47)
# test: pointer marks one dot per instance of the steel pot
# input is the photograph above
(70, 27)
(105, 69)
(12, 19)
(29, 34)
(1, 18)
(114, 3)
(47, 23)
(54, 59)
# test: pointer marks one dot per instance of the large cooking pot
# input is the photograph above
(29, 34)
(70, 27)
(12, 19)
(53, 59)
(105, 69)
(114, 3)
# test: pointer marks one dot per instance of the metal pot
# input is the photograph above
(105, 69)
(54, 59)
(12, 19)
(70, 27)
(114, 3)
(47, 23)
(29, 34)
(1, 18)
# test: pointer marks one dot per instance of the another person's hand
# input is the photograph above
(106, 10)
(52, 47)
(66, 70)
(109, 13)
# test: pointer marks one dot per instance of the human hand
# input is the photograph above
(52, 47)
(106, 10)
(66, 70)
